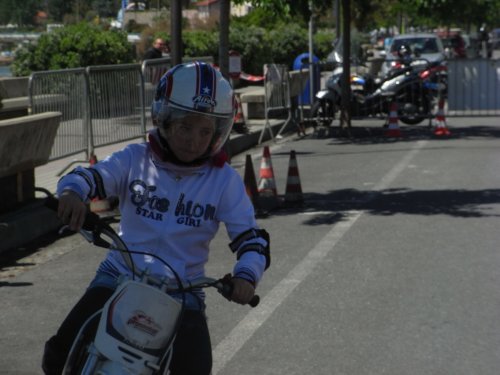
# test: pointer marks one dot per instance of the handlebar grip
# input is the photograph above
(254, 301)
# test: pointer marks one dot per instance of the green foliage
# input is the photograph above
(258, 46)
(261, 18)
(323, 43)
(78, 45)
(287, 42)
(252, 44)
(200, 43)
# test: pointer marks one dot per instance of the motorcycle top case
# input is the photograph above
(137, 321)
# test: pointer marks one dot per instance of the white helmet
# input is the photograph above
(195, 87)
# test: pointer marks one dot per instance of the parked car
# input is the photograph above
(454, 44)
(422, 45)
(495, 39)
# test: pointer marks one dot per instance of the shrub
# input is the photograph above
(323, 43)
(252, 44)
(200, 43)
(287, 42)
(73, 46)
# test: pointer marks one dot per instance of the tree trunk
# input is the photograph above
(176, 31)
(224, 38)
(345, 111)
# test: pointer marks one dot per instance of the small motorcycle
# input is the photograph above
(135, 330)
(412, 86)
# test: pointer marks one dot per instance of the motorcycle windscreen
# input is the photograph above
(139, 316)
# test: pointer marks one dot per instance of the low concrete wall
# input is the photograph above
(13, 97)
(25, 143)
(13, 87)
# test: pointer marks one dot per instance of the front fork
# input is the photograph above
(91, 362)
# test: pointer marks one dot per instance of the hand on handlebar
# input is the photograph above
(71, 210)
(243, 291)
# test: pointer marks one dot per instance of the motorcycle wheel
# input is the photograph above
(415, 118)
(322, 113)
(412, 120)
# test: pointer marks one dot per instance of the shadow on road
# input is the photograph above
(458, 203)
(376, 134)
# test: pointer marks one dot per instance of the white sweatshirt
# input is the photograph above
(171, 211)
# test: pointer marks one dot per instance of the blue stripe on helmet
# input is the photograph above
(204, 99)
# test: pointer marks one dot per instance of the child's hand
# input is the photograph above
(243, 291)
(71, 210)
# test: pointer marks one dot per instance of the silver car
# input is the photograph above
(422, 45)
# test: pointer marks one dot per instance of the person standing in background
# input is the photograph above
(158, 50)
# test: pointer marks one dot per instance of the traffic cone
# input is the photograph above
(393, 128)
(293, 192)
(239, 125)
(250, 181)
(440, 128)
(251, 187)
(268, 194)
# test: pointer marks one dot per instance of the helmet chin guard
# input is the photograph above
(195, 88)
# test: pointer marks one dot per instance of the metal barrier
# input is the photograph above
(100, 105)
(277, 96)
(473, 87)
(63, 91)
(152, 71)
(116, 95)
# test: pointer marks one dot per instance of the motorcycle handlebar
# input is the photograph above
(93, 223)
(224, 286)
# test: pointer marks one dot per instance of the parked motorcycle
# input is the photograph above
(414, 85)
(135, 330)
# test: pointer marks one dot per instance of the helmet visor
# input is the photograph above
(194, 133)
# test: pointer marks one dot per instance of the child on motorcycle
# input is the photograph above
(173, 192)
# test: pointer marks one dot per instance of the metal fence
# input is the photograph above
(100, 105)
(277, 96)
(116, 94)
(64, 91)
(473, 87)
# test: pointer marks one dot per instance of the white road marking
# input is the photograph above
(242, 332)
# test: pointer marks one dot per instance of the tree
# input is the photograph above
(66, 48)
(20, 12)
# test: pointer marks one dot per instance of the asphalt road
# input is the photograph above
(391, 266)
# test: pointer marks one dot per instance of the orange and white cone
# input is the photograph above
(267, 185)
(251, 187)
(440, 128)
(239, 119)
(250, 181)
(293, 192)
(393, 126)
